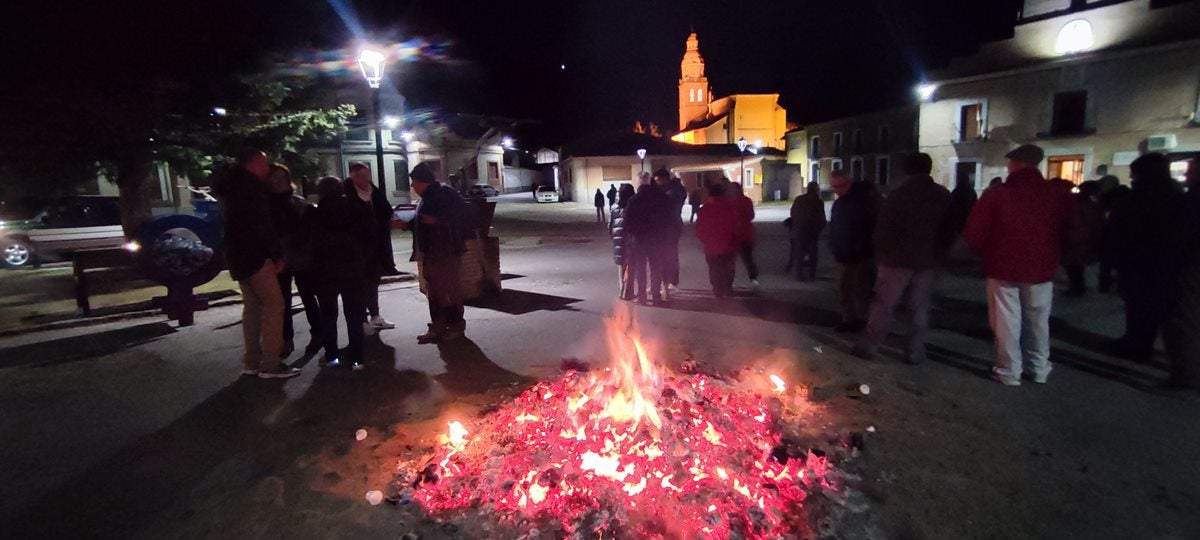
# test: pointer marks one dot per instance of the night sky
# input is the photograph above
(622, 57)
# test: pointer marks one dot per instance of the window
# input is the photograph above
(815, 146)
(360, 134)
(837, 164)
(1070, 113)
(884, 135)
(748, 176)
(856, 140)
(400, 167)
(493, 172)
(1069, 168)
(970, 122)
(964, 171)
(815, 175)
(837, 143)
(856, 168)
(692, 95)
(700, 95)
(882, 170)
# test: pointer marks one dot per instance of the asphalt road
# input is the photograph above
(140, 429)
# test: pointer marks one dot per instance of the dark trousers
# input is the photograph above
(748, 260)
(856, 282)
(647, 263)
(371, 294)
(308, 298)
(804, 259)
(1147, 298)
(721, 269)
(599, 214)
(352, 306)
(1075, 274)
(1181, 332)
(671, 262)
(443, 291)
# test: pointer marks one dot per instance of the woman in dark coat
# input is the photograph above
(287, 210)
(340, 241)
(620, 240)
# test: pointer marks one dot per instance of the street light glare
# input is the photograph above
(507, 142)
(925, 91)
(219, 111)
(641, 153)
(407, 136)
(371, 62)
(391, 122)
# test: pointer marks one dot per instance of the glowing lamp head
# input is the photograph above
(132, 246)
(925, 91)
(508, 143)
(371, 62)
(742, 144)
(220, 111)
(391, 122)
(1075, 36)
(641, 153)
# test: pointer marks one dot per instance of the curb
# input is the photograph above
(143, 313)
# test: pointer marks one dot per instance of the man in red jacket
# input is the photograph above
(717, 228)
(1018, 229)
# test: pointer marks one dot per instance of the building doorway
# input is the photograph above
(1069, 168)
(965, 171)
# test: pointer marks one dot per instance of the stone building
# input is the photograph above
(1094, 83)
(869, 145)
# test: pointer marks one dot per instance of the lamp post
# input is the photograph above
(741, 144)
(372, 63)
(641, 154)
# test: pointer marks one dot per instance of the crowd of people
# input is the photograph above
(338, 249)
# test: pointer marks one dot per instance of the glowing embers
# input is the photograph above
(632, 451)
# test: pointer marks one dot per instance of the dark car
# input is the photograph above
(92, 216)
(482, 191)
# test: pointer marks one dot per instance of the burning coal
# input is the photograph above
(634, 451)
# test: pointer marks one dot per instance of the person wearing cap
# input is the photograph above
(373, 204)
(439, 236)
(1018, 228)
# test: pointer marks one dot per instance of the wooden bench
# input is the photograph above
(83, 260)
(67, 240)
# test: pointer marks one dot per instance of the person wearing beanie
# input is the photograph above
(439, 235)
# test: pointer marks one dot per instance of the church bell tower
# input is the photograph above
(693, 85)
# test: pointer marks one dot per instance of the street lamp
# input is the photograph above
(641, 154)
(372, 63)
(741, 144)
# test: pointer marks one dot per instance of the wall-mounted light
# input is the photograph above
(1075, 36)
(925, 91)
(391, 122)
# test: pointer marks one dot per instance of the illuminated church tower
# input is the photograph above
(693, 85)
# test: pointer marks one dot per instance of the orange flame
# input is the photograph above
(780, 387)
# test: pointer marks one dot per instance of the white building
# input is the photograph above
(1094, 83)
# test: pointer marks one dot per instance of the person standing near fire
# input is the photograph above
(851, 225)
(675, 191)
(646, 219)
(717, 228)
(808, 220)
(439, 240)
(746, 234)
(620, 239)
(370, 200)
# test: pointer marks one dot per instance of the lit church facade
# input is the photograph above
(704, 120)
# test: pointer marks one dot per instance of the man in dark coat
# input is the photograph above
(612, 195)
(745, 210)
(912, 234)
(1143, 229)
(254, 256)
(439, 236)
(675, 191)
(371, 201)
(648, 221)
(340, 241)
(851, 225)
(808, 220)
(598, 202)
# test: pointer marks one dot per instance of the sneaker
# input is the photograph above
(381, 323)
(282, 372)
(249, 372)
(331, 363)
(368, 329)
(1006, 381)
(1041, 378)
(429, 337)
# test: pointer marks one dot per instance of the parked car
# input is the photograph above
(482, 191)
(97, 218)
(546, 194)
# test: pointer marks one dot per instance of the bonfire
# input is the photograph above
(630, 451)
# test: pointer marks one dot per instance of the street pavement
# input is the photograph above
(139, 429)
